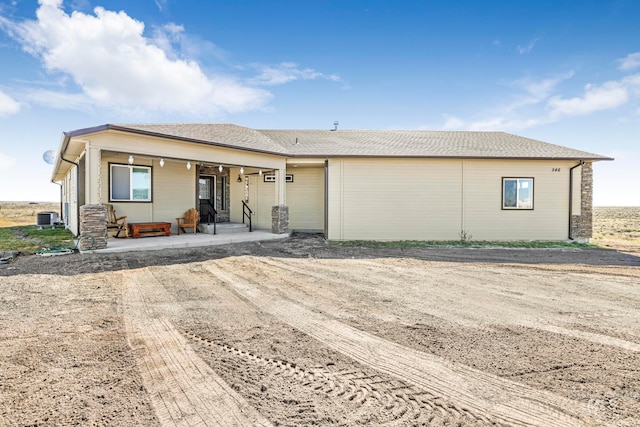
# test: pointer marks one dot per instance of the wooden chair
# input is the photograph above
(190, 219)
(115, 222)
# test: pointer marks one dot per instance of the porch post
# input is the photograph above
(280, 212)
(92, 175)
(281, 191)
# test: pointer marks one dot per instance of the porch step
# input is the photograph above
(224, 228)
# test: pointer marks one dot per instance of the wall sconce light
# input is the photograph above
(161, 163)
(241, 170)
(130, 159)
(260, 172)
(220, 168)
(188, 165)
(239, 178)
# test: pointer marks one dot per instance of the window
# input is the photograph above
(517, 193)
(272, 178)
(130, 183)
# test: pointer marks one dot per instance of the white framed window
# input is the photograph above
(517, 193)
(129, 183)
(272, 177)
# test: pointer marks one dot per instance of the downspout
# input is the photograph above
(326, 199)
(571, 196)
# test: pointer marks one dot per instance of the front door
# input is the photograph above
(207, 197)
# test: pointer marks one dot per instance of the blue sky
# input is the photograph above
(565, 72)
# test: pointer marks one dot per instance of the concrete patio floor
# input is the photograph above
(185, 241)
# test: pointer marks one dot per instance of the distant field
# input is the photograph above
(617, 227)
(24, 213)
(619, 222)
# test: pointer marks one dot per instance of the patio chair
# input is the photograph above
(190, 219)
(114, 222)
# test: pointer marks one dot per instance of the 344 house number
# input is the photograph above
(555, 169)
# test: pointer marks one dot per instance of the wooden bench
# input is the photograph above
(144, 229)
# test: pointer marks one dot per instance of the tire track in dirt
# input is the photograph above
(472, 391)
(515, 315)
(395, 403)
(184, 389)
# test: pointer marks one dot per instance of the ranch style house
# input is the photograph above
(347, 184)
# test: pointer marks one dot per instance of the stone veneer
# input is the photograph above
(280, 219)
(582, 225)
(93, 223)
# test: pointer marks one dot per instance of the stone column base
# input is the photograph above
(280, 219)
(93, 223)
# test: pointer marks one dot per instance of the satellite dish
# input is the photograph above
(49, 156)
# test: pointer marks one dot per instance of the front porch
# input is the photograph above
(182, 241)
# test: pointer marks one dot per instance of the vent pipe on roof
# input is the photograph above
(335, 124)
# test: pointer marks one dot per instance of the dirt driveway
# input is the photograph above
(301, 332)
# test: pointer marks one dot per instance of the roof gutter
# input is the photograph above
(571, 196)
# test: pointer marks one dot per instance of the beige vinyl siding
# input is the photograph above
(72, 198)
(429, 199)
(264, 200)
(484, 218)
(305, 198)
(173, 190)
(394, 199)
(142, 145)
(261, 199)
(236, 196)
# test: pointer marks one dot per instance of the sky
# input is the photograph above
(564, 72)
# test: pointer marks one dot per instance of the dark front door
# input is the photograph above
(207, 197)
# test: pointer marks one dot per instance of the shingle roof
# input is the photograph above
(364, 143)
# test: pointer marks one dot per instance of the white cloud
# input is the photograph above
(173, 38)
(453, 123)
(162, 4)
(537, 105)
(6, 162)
(541, 89)
(629, 62)
(511, 116)
(606, 96)
(8, 105)
(526, 49)
(287, 72)
(57, 99)
(117, 67)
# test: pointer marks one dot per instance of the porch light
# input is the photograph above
(241, 170)
(130, 159)
(188, 165)
(161, 163)
(260, 172)
(239, 178)
(220, 168)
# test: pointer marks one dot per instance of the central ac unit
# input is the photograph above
(47, 219)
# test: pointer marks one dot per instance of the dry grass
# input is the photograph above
(24, 213)
(619, 222)
(617, 228)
